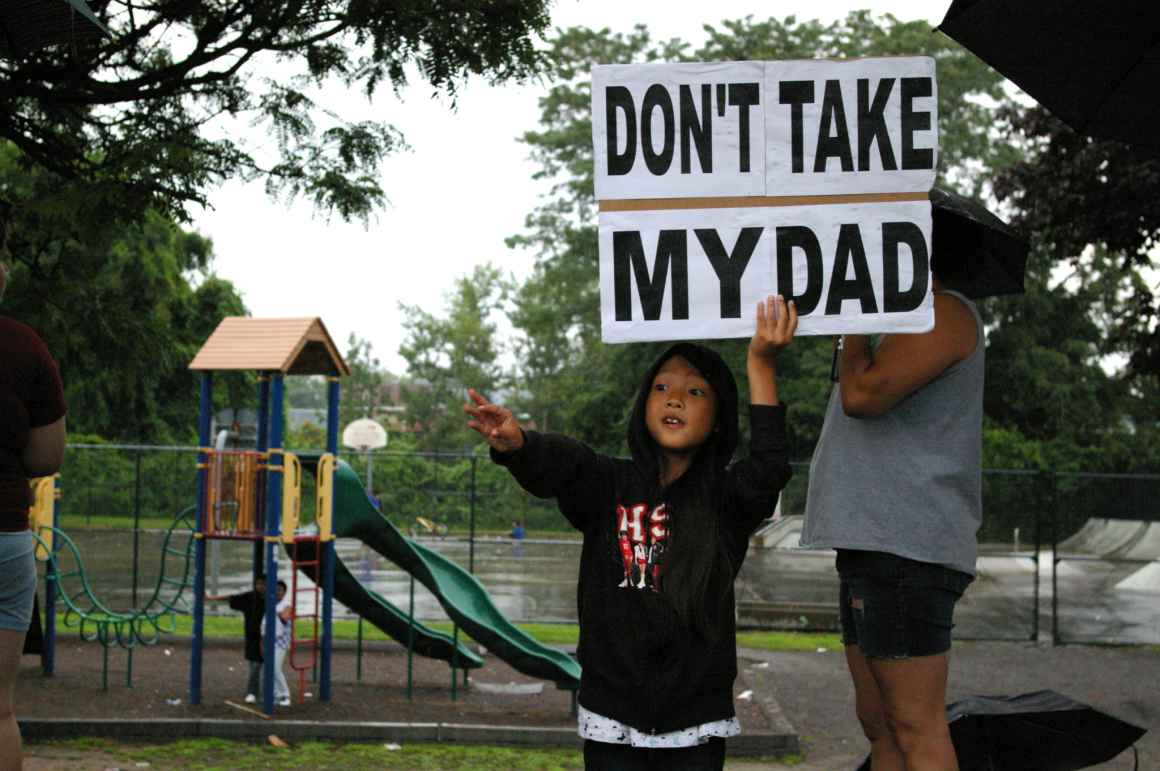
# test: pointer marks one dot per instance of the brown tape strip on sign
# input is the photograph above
(754, 201)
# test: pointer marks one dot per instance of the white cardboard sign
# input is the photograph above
(720, 184)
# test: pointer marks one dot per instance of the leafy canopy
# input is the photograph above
(140, 115)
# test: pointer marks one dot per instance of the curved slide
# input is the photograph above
(461, 595)
(391, 620)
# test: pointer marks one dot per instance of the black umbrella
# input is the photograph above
(1041, 731)
(28, 25)
(973, 251)
(1095, 65)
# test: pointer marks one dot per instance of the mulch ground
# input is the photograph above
(160, 675)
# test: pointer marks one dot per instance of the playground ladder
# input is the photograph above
(307, 645)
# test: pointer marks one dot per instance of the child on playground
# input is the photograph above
(252, 605)
(282, 613)
(657, 639)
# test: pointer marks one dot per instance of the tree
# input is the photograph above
(135, 121)
(365, 390)
(585, 387)
(447, 355)
(123, 310)
(1072, 192)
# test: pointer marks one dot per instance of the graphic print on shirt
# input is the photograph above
(641, 541)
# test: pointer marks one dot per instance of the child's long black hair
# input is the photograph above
(697, 574)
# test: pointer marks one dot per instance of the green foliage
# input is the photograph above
(364, 392)
(123, 307)
(446, 356)
(142, 118)
(1070, 192)
(102, 483)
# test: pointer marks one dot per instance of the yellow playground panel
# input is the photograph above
(40, 516)
(235, 492)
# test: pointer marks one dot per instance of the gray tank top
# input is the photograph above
(907, 482)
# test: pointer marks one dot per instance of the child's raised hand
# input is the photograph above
(777, 322)
(494, 423)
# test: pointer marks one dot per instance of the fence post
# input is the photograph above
(136, 523)
(1038, 563)
(1053, 500)
(471, 537)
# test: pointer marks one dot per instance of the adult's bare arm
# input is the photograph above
(44, 452)
(872, 382)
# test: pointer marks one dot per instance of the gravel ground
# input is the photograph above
(811, 691)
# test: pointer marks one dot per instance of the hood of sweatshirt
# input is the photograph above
(718, 449)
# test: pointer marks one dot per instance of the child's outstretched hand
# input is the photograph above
(777, 322)
(494, 423)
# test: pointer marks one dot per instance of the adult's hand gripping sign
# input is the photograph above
(720, 184)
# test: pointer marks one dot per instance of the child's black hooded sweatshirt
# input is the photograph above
(641, 664)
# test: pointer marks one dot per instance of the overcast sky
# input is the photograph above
(464, 187)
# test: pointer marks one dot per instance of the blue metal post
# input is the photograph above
(273, 525)
(263, 444)
(48, 660)
(334, 390)
(205, 412)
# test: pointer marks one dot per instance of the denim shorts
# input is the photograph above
(17, 580)
(892, 607)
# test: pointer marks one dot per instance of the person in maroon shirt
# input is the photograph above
(32, 438)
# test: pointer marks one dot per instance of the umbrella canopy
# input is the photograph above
(973, 251)
(1040, 731)
(1094, 65)
(28, 25)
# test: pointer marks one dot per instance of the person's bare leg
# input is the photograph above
(11, 645)
(913, 693)
(884, 753)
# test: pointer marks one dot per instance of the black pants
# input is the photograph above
(600, 756)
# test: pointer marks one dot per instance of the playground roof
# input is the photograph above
(290, 346)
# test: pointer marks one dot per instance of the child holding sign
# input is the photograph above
(664, 536)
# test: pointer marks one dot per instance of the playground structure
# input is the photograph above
(255, 495)
(96, 621)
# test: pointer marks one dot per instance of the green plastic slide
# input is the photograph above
(393, 621)
(462, 596)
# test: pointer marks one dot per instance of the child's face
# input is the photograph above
(681, 409)
(281, 591)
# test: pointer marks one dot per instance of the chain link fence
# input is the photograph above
(1101, 587)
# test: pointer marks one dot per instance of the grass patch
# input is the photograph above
(212, 754)
(230, 626)
(789, 641)
(108, 522)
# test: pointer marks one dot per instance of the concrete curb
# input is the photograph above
(747, 745)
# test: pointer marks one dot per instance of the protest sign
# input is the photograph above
(720, 184)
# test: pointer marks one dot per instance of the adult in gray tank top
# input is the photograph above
(895, 488)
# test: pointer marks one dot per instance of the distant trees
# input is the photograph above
(446, 355)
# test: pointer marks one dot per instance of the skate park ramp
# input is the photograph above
(1146, 545)
(464, 599)
(1111, 537)
(1121, 539)
(779, 533)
